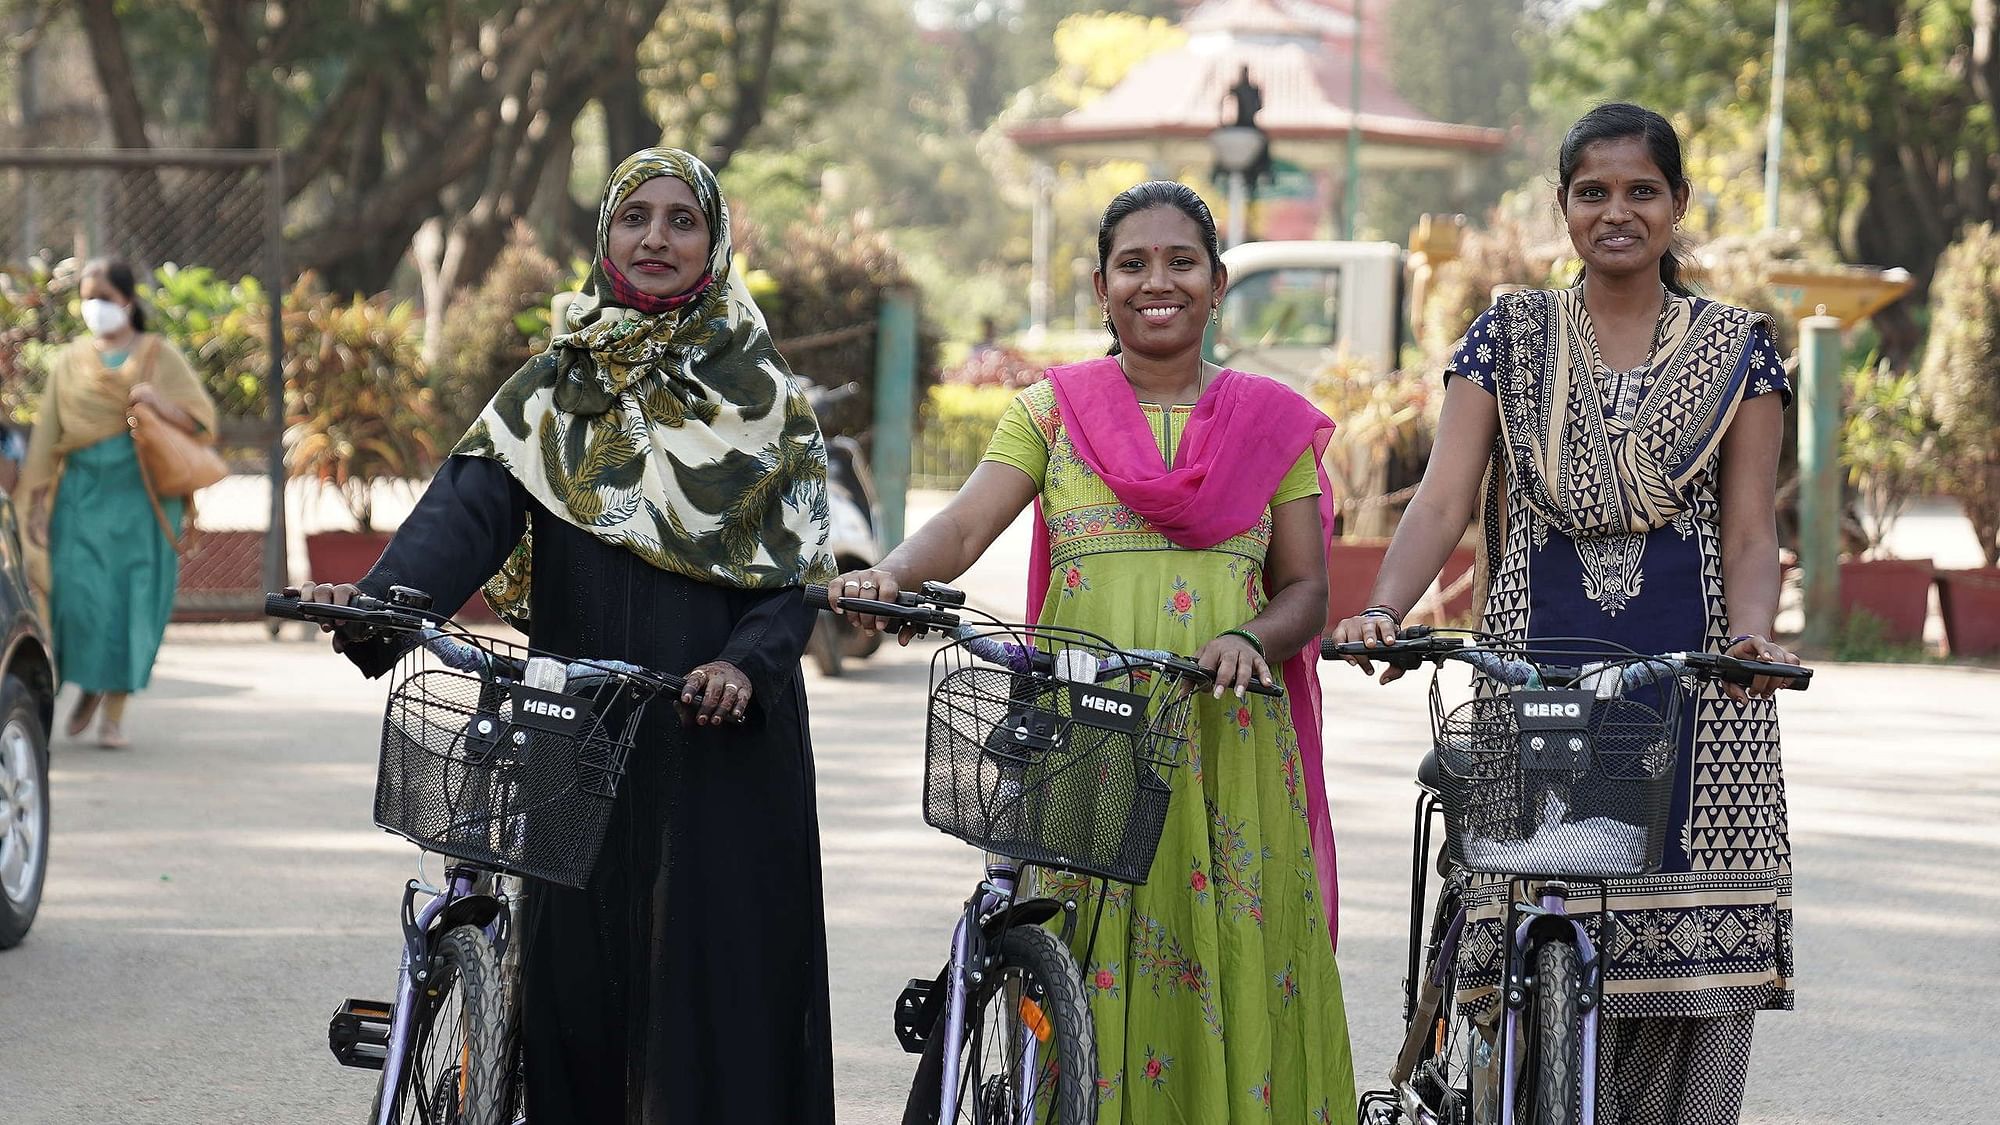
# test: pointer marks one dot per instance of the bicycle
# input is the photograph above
(1046, 747)
(1560, 773)
(506, 760)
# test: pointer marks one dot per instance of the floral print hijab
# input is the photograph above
(678, 434)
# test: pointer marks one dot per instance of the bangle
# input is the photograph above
(1739, 639)
(1246, 635)
(1384, 611)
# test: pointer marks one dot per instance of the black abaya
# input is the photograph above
(687, 984)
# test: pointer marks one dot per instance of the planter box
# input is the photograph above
(1970, 603)
(1896, 591)
(345, 556)
(1351, 567)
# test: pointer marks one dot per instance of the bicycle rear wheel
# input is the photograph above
(1552, 1090)
(455, 1073)
(1029, 1041)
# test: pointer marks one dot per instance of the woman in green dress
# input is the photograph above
(1181, 508)
(97, 551)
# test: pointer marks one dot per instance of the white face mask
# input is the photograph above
(104, 317)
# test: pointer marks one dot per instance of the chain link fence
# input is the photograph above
(203, 232)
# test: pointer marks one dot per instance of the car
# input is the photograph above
(27, 710)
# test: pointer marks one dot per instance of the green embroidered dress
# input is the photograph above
(1213, 985)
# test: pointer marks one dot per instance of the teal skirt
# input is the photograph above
(113, 571)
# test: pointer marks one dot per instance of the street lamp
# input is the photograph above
(1242, 152)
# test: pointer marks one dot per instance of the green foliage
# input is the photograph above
(1888, 146)
(1888, 439)
(1864, 639)
(955, 424)
(358, 399)
(223, 327)
(1962, 371)
(829, 278)
(493, 328)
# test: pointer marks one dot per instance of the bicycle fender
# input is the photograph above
(1027, 912)
(472, 910)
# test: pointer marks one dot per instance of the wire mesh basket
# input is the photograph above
(1047, 764)
(1558, 783)
(506, 757)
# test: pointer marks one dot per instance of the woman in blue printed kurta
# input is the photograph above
(1620, 442)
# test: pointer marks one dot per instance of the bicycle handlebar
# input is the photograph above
(374, 613)
(922, 611)
(1418, 645)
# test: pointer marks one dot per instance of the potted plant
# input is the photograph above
(1378, 418)
(1889, 443)
(361, 414)
(1962, 373)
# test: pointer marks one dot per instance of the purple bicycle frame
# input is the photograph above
(966, 940)
(1557, 905)
(459, 882)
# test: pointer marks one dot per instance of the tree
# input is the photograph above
(1962, 370)
(395, 113)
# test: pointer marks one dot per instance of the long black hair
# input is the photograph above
(1145, 197)
(1618, 121)
(117, 272)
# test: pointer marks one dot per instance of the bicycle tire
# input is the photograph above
(467, 981)
(1047, 975)
(1553, 1091)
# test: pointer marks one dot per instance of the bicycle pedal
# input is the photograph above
(916, 1013)
(358, 1034)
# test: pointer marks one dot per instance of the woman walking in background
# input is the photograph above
(97, 550)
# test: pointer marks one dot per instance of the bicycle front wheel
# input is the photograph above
(1030, 1051)
(1558, 1051)
(455, 1073)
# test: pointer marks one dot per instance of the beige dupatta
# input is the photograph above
(1588, 470)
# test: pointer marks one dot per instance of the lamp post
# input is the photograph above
(1242, 152)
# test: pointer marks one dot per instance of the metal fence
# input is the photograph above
(218, 211)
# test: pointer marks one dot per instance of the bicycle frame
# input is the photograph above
(1553, 918)
(968, 954)
(414, 970)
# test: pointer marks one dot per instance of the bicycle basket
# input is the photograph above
(1558, 783)
(1058, 773)
(483, 768)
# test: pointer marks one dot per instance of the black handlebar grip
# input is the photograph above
(285, 606)
(816, 598)
(1795, 678)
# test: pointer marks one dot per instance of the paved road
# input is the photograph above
(217, 888)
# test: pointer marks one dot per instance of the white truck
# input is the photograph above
(1292, 307)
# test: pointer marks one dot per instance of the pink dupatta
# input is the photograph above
(1245, 434)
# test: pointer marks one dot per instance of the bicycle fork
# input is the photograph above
(967, 973)
(1551, 921)
(413, 974)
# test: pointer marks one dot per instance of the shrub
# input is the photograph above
(1962, 372)
(828, 277)
(954, 426)
(360, 406)
(1888, 439)
(492, 329)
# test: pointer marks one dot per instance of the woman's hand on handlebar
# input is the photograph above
(332, 594)
(870, 586)
(1754, 647)
(1234, 663)
(1372, 629)
(715, 693)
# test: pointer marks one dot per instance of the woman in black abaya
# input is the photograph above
(652, 489)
